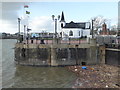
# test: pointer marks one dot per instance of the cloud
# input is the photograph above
(9, 17)
(7, 27)
(10, 10)
(10, 13)
(42, 23)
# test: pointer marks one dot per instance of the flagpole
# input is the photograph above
(26, 16)
(24, 12)
(27, 34)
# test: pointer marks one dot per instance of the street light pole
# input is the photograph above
(55, 28)
(92, 28)
(24, 33)
(55, 19)
(19, 29)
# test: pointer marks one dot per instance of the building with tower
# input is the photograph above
(74, 29)
(104, 30)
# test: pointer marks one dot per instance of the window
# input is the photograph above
(71, 33)
(79, 33)
(62, 25)
(87, 25)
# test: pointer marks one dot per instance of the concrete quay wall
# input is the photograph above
(58, 54)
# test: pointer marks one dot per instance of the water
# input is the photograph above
(0, 64)
(31, 77)
(8, 66)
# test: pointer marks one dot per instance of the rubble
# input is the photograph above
(96, 76)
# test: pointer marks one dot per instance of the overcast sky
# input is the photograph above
(41, 12)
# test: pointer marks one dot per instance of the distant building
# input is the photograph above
(104, 30)
(7, 36)
(33, 35)
(0, 35)
(74, 29)
(41, 35)
(4, 34)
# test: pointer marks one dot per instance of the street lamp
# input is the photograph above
(24, 33)
(19, 29)
(55, 19)
(28, 29)
(92, 27)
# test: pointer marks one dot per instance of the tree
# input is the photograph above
(97, 23)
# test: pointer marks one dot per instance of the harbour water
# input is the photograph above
(17, 76)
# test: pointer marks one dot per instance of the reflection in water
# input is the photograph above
(43, 77)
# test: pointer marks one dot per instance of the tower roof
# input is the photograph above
(62, 17)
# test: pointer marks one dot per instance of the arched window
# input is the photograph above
(71, 33)
(61, 25)
(79, 33)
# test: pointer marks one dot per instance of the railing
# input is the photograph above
(60, 41)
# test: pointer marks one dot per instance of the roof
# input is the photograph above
(74, 25)
(62, 17)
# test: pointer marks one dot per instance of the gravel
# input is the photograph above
(96, 76)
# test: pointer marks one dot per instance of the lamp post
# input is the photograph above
(19, 29)
(55, 19)
(24, 33)
(28, 29)
(92, 28)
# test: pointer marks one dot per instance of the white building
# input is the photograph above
(73, 29)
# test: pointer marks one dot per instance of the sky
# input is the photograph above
(40, 14)
(119, 15)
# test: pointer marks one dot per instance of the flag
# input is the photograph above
(28, 29)
(27, 12)
(26, 6)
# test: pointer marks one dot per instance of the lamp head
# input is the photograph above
(19, 19)
(58, 17)
(53, 16)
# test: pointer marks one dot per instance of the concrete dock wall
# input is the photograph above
(112, 56)
(56, 54)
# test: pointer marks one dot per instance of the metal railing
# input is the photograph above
(60, 41)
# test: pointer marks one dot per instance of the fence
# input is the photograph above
(60, 41)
